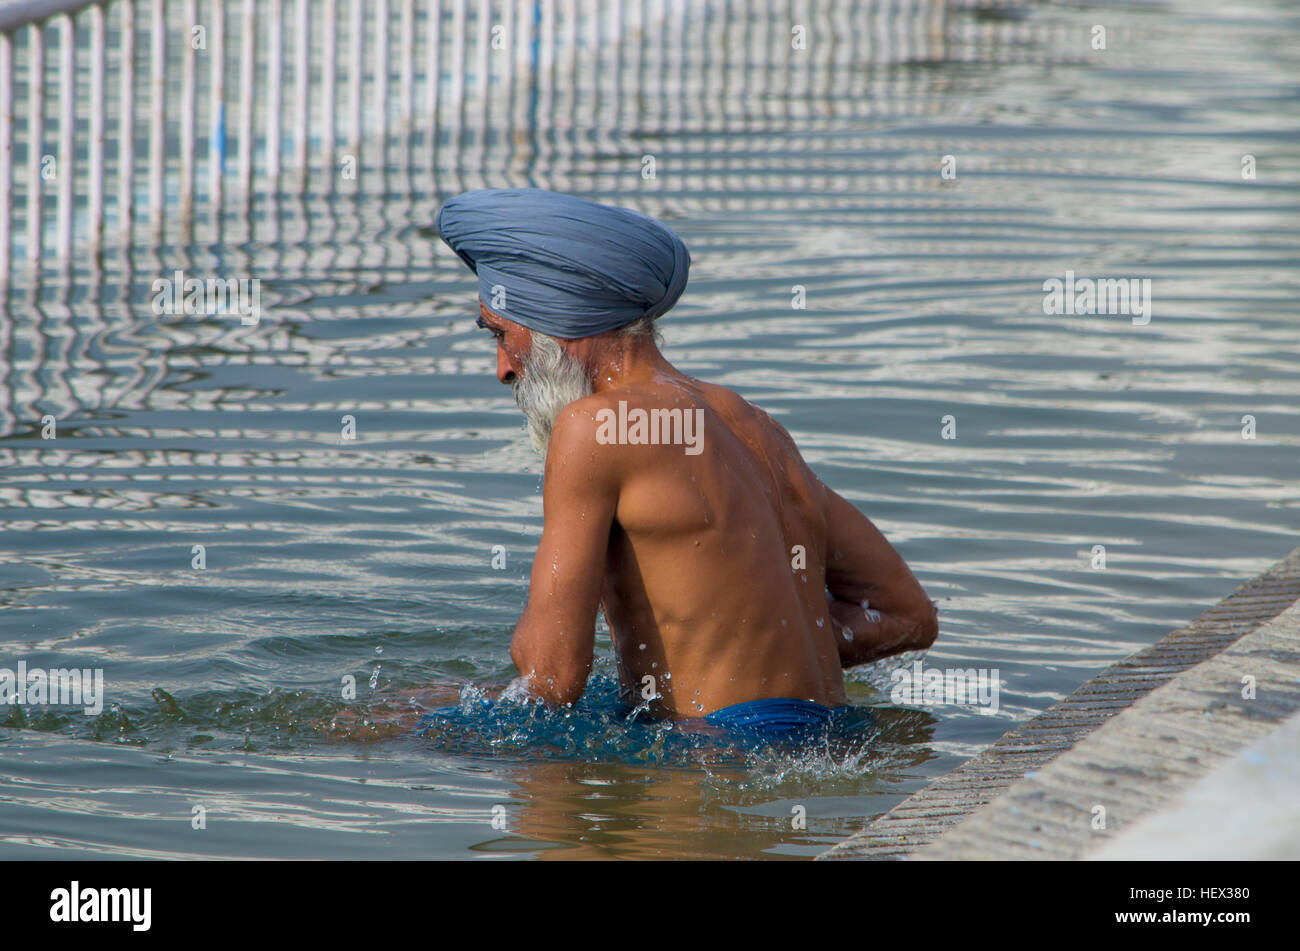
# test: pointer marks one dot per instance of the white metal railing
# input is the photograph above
(274, 112)
(581, 93)
(116, 93)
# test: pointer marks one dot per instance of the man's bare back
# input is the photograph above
(700, 592)
(727, 574)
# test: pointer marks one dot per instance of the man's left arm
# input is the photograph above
(554, 642)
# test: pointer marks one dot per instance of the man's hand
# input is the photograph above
(554, 641)
(865, 634)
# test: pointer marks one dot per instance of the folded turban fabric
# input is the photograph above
(564, 265)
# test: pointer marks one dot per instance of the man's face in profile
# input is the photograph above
(544, 378)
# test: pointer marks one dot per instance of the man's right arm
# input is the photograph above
(862, 568)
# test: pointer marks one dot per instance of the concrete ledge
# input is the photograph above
(1270, 658)
(1248, 808)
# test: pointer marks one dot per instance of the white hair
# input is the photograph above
(551, 381)
(644, 327)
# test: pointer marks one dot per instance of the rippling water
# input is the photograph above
(371, 558)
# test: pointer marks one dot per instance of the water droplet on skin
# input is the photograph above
(821, 623)
(668, 676)
(642, 647)
(654, 666)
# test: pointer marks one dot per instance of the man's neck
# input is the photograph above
(625, 360)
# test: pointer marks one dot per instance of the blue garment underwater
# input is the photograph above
(777, 716)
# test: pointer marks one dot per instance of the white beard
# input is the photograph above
(552, 380)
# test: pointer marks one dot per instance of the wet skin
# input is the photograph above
(693, 558)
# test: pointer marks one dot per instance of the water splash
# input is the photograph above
(601, 727)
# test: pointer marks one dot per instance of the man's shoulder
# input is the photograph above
(631, 422)
(574, 427)
(587, 415)
(579, 431)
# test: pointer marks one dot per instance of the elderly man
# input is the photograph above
(735, 583)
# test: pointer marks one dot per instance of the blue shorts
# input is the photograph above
(777, 716)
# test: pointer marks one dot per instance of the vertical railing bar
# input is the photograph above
(356, 73)
(484, 69)
(660, 93)
(823, 59)
(510, 30)
(616, 26)
(593, 84)
(35, 142)
(187, 115)
(843, 64)
(126, 126)
(636, 68)
(483, 66)
(67, 123)
(96, 183)
(408, 63)
(6, 155)
(274, 78)
(328, 79)
(408, 114)
(217, 112)
(381, 64)
(546, 84)
(699, 81)
(7, 418)
(300, 104)
(680, 72)
(457, 74)
(722, 166)
(246, 63)
(356, 85)
(796, 77)
(381, 79)
(568, 113)
(759, 53)
(523, 46)
(857, 86)
(711, 92)
(434, 78)
(157, 127)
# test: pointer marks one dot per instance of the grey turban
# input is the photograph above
(563, 265)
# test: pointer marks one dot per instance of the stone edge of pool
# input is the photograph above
(1130, 740)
